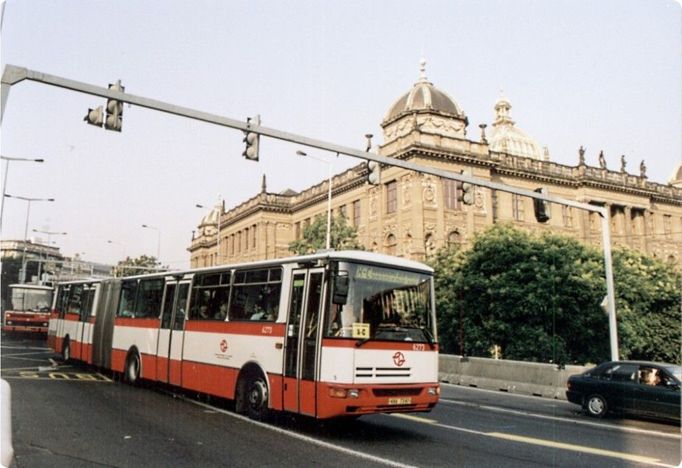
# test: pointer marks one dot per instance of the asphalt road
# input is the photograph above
(73, 416)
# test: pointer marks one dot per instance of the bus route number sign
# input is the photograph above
(361, 330)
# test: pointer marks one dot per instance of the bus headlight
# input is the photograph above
(434, 391)
(336, 392)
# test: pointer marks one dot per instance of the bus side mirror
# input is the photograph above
(340, 288)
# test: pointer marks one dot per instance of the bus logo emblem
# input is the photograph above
(223, 346)
(399, 359)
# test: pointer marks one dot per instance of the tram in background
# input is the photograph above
(327, 335)
(28, 309)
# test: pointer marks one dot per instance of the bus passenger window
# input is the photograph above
(126, 305)
(210, 297)
(148, 303)
(256, 295)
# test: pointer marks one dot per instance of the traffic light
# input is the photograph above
(95, 116)
(114, 120)
(542, 209)
(251, 139)
(373, 172)
(466, 190)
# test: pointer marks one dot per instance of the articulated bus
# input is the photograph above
(327, 335)
(29, 308)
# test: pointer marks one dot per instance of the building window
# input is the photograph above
(253, 236)
(391, 245)
(667, 224)
(518, 208)
(356, 213)
(637, 221)
(454, 239)
(297, 230)
(343, 211)
(391, 197)
(567, 214)
(429, 244)
(450, 193)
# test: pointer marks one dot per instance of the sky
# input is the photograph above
(606, 75)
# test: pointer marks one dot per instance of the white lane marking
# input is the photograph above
(296, 435)
(26, 347)
(550, 443)
(633, 430)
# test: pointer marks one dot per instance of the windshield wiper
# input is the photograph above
(361, 342)
(429, 337)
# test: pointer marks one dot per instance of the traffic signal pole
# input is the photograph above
(13, 75)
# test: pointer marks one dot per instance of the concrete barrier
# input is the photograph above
(525, 378)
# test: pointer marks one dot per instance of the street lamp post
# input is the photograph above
(28, 201)
(158, 242)
(7, 159)
(329, 193)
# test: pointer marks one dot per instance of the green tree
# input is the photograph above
(648, 306)
(139, 266)
(314, 236)
(538, 299)
(535, 297)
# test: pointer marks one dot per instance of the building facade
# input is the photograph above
(412, 215)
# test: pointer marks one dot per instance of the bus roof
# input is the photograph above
(339, 255)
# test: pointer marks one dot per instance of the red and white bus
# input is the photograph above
(29, 308)
(327, 335)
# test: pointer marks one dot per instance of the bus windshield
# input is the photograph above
(31, 300)
(383, 304)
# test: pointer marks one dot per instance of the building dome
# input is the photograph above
(209, 223)
(507, 138)
(424, 97)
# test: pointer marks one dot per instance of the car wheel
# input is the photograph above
(596, 406)
(132, 371)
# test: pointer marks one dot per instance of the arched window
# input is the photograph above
(429, 244)
(391, 245)
(454, 239)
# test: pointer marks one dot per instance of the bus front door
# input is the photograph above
(299, 390)
(171, 333)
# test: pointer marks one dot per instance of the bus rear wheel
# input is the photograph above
(66, 351)
(132, 369)
(252, 397)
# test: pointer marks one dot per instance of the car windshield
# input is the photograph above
(675, 371)
(34, 300)
(385, 304)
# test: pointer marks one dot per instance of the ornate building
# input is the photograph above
(412, 215)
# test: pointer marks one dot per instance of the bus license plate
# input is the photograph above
(400, 401)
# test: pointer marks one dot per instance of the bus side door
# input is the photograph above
(171, 333)
(85, 327)
(300, 356)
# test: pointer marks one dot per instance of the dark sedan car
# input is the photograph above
(646, 389)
